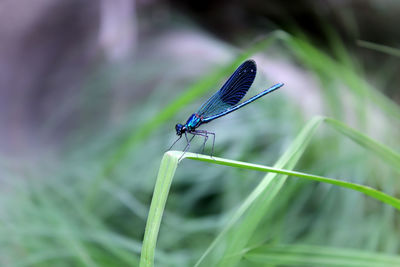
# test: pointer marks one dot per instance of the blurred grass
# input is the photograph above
(89, 207)
(381, 48)
(318, 256)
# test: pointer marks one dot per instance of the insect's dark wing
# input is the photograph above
(231, 92)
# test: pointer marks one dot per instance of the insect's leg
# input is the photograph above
(187, 146)
(187, 143)
(175, 142)
(212, 150)
(204, 134)
(204, 143)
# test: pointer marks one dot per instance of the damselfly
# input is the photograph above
(222, 103)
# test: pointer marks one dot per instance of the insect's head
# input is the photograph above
(180, 129)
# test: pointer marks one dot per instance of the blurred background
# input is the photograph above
(90, 92)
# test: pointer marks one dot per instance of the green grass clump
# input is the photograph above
(258, 203)
(90, 206)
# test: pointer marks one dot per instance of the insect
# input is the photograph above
(222, 103)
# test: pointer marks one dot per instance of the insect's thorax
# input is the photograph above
(193, 122)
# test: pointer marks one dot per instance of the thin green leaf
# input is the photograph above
(166, 173)
(381, 48)
(395, 202)
(303, 255)
(379, 149)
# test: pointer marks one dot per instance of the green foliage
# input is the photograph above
(381, 48)
(318, 256)
(89, 208)
(258, 203)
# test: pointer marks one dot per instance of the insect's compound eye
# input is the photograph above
(178, 129)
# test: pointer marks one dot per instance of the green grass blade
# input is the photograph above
(161, 190)
(380, 150)
(395, 202)
(381, 48)
(303, 255)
